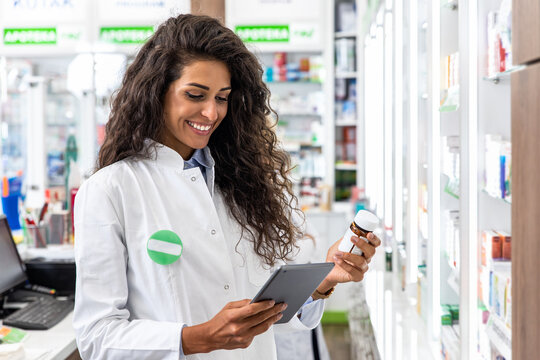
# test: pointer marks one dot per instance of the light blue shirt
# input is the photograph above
(199, 159)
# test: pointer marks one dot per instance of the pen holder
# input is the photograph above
(39, 235)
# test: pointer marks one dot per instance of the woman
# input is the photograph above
(190, 209)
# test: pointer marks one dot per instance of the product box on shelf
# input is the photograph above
(491, 247)
(496, 245)
(345, 55)
(498, 167)
(506, 245)
(346, 16)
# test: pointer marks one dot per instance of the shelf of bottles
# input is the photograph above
(495, 190)
(296, 83)
(345, 101)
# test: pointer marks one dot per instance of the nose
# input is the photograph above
(210, 111)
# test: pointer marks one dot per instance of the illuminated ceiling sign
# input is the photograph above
(30, 36)
(294, 33)
(125, 34)
(263, 33)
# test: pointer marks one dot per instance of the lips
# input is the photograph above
(200, 127)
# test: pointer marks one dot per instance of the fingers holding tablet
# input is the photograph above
(233, 327)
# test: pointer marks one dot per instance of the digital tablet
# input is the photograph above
(293, 285)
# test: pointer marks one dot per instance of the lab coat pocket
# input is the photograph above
(257, 272)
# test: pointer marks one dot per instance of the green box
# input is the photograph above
(454, 310)
(446, 315)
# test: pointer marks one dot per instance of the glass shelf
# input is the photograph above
(496, 78)
(450, 192)
(448, 108)
(345, 123)
(346, 75)
(500, 335)
(452, 186)
(343, 166)
(292, 146)
(506, 201)
(344, 34)
(448, 339)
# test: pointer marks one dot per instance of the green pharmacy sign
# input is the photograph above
(30, 36)
(125, 34)
(263, 33)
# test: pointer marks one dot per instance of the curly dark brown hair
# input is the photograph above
(252, 171)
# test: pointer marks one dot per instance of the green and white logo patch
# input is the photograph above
(164, 247)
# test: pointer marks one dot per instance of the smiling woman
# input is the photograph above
(190, 206)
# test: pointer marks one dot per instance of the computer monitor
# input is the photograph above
(13, 270)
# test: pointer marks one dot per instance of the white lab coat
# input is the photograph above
(129, 307)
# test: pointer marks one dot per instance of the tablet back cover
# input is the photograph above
(293, 285)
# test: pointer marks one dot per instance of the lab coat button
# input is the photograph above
(226, 287)
(213, 232)
(193, 178)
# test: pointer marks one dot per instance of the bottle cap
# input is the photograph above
(366, 220)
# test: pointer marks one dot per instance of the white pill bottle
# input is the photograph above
(364, 222)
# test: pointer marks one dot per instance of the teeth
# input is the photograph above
(199, 127)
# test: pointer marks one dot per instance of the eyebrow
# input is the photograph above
(204, 87)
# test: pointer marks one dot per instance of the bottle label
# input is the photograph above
(346, 244)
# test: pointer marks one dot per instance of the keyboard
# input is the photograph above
(41, 314)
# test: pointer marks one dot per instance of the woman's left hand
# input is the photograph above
(349, 266)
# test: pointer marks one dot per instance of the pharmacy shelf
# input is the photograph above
(346, 167)
(346, 75)
(301, 104)
(346, 123)
(500, 335)
(291, 146)
(505, 75)
(450, 343)
(344, 34)
(498, 198)
(449, 108)
(448, 190)
(431, 31)
(347, 100)
(494, 117)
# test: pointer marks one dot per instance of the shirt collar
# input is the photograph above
(167, 157)
(200, 157)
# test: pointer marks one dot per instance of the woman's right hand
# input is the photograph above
(233, 327)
